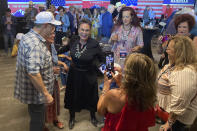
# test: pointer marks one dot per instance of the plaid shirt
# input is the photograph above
(33, 57)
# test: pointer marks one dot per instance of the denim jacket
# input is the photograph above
(66, 22)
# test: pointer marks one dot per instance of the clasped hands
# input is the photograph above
(115, 38)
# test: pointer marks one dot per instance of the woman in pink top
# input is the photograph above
(127, 36)
(130, 107)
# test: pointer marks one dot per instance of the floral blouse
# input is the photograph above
(126, 41)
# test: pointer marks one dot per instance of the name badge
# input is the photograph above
(123, 54)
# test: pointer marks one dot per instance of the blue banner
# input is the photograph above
(179, 2)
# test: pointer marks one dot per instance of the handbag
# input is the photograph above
(15, 49)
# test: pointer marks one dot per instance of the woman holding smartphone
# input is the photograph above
(130, 107)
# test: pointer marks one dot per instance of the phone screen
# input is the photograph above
(110, 61)
(109, 65)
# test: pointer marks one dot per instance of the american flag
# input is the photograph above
(84, 3)
(141, 4)
(66, 3)
(58, 2)
(129, 2)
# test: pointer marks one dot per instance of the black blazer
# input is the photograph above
(13, 25)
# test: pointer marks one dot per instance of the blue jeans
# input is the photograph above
(8, 36)
(63, 78)
(37, 116)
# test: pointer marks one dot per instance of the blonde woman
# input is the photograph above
(178, 85)
(95, 23)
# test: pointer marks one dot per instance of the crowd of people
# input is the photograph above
(66, 42)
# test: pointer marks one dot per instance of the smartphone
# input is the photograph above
(109, 61)
(165, 38)
(109, 64)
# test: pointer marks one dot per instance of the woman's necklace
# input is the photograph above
(78, 53)
(126, 32)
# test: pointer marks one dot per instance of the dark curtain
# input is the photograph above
(3, 7)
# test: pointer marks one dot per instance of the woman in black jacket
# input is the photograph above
(82, 87)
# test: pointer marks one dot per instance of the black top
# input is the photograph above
(90, 57)
(82, 88)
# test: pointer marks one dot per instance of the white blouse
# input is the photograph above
(181, 98)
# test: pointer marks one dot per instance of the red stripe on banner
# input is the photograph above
(86, 4)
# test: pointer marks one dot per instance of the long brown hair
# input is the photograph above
(135, 20)
(139, 81)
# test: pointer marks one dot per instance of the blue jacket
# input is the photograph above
(107, 24)
(87, 17)
(66, 22)
(151, 14)
(71, 19)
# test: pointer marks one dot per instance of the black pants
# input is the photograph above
(72, 114)
(178, 126)
(37, 116)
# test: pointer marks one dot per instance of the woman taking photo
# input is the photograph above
(126, 36)
(82, 87)
(130, 107)
(177, 83)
